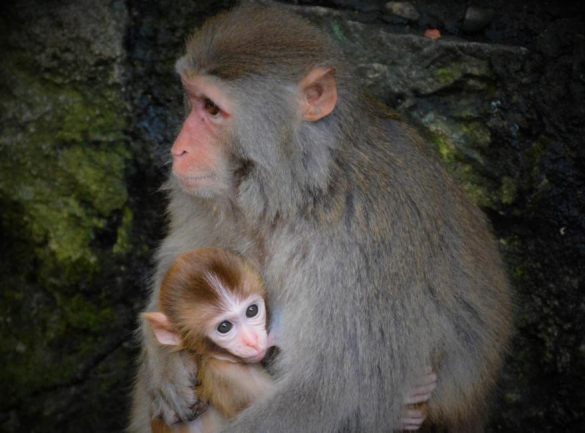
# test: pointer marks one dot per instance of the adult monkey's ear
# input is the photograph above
(318, 94)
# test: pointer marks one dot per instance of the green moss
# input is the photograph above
(62, 162)
(99, 176)
(473, 75)
(459, 144)
(81, 314)
(477, 187)
(65, 234)
(464, 137)
(518, 272)
(57, 112)
(66, 201)
(446, 149)
(123, 243)
(538, 150)
(509, 190)
(450, 74)
(66, 332)
(94, 119)
(475, 134)
(25, 350)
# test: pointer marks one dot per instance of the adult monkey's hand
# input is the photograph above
(170, 385)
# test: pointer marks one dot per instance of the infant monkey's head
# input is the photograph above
(212, 302)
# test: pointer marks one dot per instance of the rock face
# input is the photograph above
(89, 105)
(404, 10)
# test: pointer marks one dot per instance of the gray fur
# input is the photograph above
(374, 260)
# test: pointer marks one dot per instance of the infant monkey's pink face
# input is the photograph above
(242, 328)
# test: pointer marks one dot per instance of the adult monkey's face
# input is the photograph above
(200, 155)
(219, 108)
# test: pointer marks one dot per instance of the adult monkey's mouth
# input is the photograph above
(193, 179)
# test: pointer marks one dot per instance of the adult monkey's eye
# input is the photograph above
(211, 107)
(224, 327)
(252, 310)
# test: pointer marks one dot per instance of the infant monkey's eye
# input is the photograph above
(211, 107)
(252, 310)
(224, 327)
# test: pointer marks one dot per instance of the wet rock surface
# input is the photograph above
(89, 105)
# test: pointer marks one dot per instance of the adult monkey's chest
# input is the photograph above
(284, 252)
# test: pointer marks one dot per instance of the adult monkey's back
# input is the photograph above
(375, 262)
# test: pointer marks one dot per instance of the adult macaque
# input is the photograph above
(212, 306)
(375, 263)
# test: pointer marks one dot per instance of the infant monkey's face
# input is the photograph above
(241, 329)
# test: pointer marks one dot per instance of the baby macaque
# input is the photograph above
(212, 306)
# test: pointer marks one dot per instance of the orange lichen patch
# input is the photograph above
(433, 34)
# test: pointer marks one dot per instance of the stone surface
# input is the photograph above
(359, 5)
(404, 10)
(477, 19)
(89, 105)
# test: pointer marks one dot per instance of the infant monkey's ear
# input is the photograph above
(162, 329)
